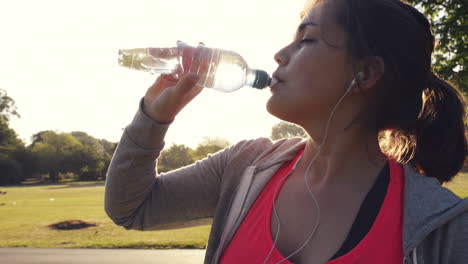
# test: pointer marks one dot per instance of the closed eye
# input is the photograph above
(307, 40)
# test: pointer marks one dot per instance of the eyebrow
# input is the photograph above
(303, 25)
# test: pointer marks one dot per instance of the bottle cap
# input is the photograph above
(262, 79)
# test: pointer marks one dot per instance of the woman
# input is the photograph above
(384, 133)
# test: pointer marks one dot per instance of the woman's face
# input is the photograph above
(314, 70)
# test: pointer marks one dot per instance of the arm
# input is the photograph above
(137, 198)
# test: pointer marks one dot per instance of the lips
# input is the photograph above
(275, 80)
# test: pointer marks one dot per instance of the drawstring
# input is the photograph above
(415, 260)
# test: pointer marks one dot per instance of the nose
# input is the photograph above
(281, 57)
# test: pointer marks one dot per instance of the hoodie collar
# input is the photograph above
(427, 206)
(281, 151)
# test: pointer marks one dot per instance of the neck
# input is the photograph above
(351, 156)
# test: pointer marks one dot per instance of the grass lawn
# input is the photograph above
(459, 185)
(26, 211)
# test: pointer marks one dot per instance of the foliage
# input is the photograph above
(286, 130)
(449, 19)
(88, 140)
(8, 137)
(55, 153)
(178, 156)
(50, 153)
(12, 170)
(7, 107)
(75, 152)
(174, 157)
(97, 154)
(16, 164)
(208, 146)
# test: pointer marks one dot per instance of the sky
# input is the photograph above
(59, 62)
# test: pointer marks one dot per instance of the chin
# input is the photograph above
(278, 110)
(271, 106)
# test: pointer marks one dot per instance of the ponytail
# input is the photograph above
(435, 143)
(441, 145)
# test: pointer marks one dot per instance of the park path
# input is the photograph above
(101, 256)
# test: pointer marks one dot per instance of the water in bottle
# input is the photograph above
(221, 70)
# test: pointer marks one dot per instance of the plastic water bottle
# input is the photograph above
(222, 70)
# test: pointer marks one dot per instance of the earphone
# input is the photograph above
(359, 76)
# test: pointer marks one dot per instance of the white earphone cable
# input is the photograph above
(308, 186)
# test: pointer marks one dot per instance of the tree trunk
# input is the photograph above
(54, 176)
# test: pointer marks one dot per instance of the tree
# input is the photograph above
(8, 137)
(16, 164)
(209, 146)
(89, 163)
(286, 130)
(7, 107)
(76, 152)
(11, 147)
(50, 152)
(449, 19)
(109, 149)
(55, 153)
(88, 140)
(174, 157)
(10, 170)
(97, 153)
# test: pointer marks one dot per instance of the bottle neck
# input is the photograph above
(250, 77)
(257, 78)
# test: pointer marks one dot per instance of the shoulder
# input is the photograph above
(417, 183)
(427, 203)
(434, 213)
(457, 230)
(461, 217)
(260, 149)
(450, 239)
(252, 144)
(264, 144)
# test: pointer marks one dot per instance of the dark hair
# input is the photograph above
(419, 116)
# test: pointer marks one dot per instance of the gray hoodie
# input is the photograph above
(220, 190)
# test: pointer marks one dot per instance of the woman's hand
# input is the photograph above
(168, 96)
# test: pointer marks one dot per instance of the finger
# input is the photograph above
(162, 82)
(168, 77)
(188, 54)
(194, 92)
(197, 58)
(180, 43)
(186, 83)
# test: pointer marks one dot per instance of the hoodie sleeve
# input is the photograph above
(459, 246)
(137, 198)
(447, 244)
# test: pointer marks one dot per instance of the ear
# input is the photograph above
(372, 69)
